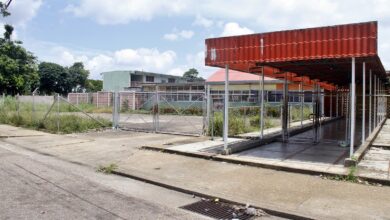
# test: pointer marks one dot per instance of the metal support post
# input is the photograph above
(285, 111)
(262, 105)
(58, 113)
(337, 101)
(364, 104)
(370, 105)
(226, 109)
(347, 114)
(301, 100)
(157, 110)
(208, 109)
(353, 108)
(374, 121)
(331, 104)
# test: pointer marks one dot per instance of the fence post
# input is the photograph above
(58, 113)
(17, 105)
(133, 107)
(208, 105)
(97, 99)
(158, 109)
(114, 111)
(33, 108)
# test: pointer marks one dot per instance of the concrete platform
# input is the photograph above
(376, 161)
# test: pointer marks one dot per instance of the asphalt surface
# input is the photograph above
(36, 186)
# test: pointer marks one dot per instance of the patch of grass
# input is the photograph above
(23, 114)
(69, 123)
(107, 169)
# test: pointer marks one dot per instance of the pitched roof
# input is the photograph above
(236, 76)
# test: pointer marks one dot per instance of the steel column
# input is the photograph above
(226, 109)
(302, 97)
(364, 104)
(374, 125)
(285, 111)
(331, 104)
(262, 105)
(370, 105)
(353, 108)
(337, 101)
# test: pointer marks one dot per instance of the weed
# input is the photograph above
(107, 169)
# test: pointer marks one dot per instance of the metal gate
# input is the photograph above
(163, 112)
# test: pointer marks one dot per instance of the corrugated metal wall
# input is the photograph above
(351, 40)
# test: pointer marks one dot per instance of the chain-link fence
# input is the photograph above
(245, 112)
(164, 112)
(50, 113)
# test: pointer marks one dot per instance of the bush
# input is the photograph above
(236, 125)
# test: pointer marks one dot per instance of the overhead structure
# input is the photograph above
(322, 53)
(326, 57)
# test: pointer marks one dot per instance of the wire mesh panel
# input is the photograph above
(181, 112)
(137, 111)
(245, 113)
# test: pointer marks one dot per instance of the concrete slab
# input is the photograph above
(11, 131)
(289, 192)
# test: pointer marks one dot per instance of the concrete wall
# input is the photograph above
(37, 99)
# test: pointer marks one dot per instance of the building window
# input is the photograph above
(171, 80)
(149, 78)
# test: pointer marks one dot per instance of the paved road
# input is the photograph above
(35, 186)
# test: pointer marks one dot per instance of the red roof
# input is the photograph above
(235, 76)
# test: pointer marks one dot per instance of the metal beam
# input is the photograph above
(353, 108)
(226, 109)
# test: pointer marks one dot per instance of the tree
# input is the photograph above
(53, 78)
(78, 75)
(18, 69)
(3, 8)
(191, 74)
(93, 85)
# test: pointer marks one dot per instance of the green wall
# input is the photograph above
(116, 80)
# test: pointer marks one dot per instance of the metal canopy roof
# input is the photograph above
(321, 54)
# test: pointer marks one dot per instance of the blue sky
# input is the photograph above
(167, 36)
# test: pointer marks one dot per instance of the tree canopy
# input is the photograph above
(93, 85)
(55, 78)
(191, 74)
(18, 69)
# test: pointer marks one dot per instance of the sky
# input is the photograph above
(168, 36)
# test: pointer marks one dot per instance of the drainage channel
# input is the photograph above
(221, 210)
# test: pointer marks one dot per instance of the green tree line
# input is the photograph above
(21, 73)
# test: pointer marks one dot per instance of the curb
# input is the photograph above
(260, 165)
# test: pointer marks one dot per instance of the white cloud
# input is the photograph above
(177, 71)
(187, 34)
(22, 11)
(123, 11)
(233, 28)
(176, 35)
(148, 59)
(171, 37)
(202, 21)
